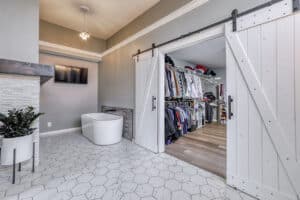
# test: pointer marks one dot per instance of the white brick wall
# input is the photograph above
(19, 92)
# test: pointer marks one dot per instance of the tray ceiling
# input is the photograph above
(105, 17)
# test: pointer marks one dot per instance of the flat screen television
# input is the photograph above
(70, 74)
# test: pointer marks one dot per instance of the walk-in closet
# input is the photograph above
(220, 107)
(195, 105)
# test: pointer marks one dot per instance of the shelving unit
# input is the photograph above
(208, 78)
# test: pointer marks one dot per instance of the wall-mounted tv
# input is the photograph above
(70, 74)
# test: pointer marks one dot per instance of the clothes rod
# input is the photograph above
(234, 15)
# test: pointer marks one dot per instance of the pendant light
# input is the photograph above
(84, 35)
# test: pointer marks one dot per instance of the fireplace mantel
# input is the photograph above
(45, 72)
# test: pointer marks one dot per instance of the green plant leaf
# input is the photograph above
(18, 122)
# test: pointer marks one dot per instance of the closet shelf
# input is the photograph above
(182, 99)
(208, 78)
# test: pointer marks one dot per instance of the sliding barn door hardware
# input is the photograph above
(153, 47)
(233, 17)
(230, 114)
(138, 53)
(296, 5)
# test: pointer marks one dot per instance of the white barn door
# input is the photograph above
(263, 74)
(146, 90)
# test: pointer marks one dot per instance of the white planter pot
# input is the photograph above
(23, 146)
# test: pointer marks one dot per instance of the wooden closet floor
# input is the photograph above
(205, 148)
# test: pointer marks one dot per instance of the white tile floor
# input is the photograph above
(73, 168)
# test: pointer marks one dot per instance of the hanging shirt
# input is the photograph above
(173, 80)
(198, 86)
(189, 82)
(168, 83)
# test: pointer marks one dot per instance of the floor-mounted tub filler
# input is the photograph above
(102, 128)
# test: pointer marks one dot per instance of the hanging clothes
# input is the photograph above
(168, 84)
(209, 113)
(174, 83)
(191, 89)
(181, 84)
(183, 113)
(181, 118)
(198, 86)
(170, 129)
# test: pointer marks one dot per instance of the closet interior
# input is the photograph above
(195, 105)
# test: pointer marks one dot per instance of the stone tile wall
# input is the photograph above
(19, 92)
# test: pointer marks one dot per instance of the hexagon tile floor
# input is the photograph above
(73, 168)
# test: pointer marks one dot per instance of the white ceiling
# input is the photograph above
(210, 53)
(105, 18)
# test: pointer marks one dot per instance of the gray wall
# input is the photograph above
(117, 69)
(161, 9)
(116, 79)
(60, 35)
(19, 22)
(221, 72)
(64, 103)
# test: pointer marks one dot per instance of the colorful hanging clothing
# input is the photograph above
(181, 84)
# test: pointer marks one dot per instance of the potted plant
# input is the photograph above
(16, 130)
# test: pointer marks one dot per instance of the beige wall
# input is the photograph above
(161, 9)
(116, 73)
(64, 103)
(64, 36)
(60, 35)
(19, 37)
(19, 30)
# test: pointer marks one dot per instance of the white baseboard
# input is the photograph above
(59, 132)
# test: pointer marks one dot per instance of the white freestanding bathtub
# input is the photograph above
(102, 128)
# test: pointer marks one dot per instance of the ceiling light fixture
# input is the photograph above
(84, 35)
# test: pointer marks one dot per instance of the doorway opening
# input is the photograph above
(195, 104)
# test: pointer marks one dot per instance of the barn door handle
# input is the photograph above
(153, 103)
(230, 100)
